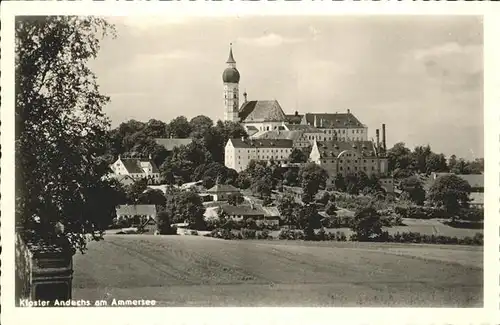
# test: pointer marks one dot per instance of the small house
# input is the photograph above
(221, 192)
(137, 213)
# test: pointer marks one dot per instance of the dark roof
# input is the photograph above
(242, 210)
(293, 118)
(224, 188)
(170, 143)
(262, 143)
(136, 210)
(251, 127)
(261, 111)
(291, 135)
(334, 148)
(333, 120)
(231, 75)
(303, 127)
(132, 165)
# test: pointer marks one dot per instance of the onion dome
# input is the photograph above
(231, 75)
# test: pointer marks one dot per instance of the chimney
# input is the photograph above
(315, 121)
(377, 133)
(383, 137)
(296, 113)
(243, 139)
(245, 95)
(348, 111)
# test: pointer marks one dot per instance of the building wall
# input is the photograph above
(239, 158)
(231, 101)
(387, 184)
(349, 161)
(265, 126)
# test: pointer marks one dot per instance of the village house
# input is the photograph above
(221, 192)
(135, 169)
(136, 213)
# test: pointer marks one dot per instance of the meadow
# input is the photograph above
(200, 271)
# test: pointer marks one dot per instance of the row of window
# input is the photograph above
(348, 161)
(356, 168)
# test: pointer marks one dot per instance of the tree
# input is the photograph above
(235, 199)
(420, 156)
(298, 156)
(291, 176)
(400, 158)
(200, 125)
(135, 190)
(287, 207)
(366, 224)
(186, 206)
(60, 126)
(436, 163)
(414, 189)
(150, 196)
(261, 187)
(450, 192)
(164, 223)
(339, 183)
(179, 127)
(312, 179)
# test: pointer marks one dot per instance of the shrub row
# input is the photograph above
(245, 233)
(238, 225)
(346, 221)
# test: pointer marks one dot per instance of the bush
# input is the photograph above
(194, 233)
(248, 233)
(264, 234)
(291, 234)
(415, 237)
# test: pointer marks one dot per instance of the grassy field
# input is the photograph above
(197, 271)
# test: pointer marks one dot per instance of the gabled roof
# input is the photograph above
(290, 135)
(133, 165)
(261, 111)
(262, 143)
(293, 118)
(242, 210)
(222, 188)
(334, 148)
(303, 127)
(135, 210)
(333, 120)
(170, 143)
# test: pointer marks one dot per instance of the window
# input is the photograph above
(343, 131)
(364, 168)
(364, 161)
(348, 168)
(341, 168)
(373, 168)
(340, 160)
(355, 168)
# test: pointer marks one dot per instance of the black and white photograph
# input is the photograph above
(251, 160)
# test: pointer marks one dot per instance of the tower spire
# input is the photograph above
(231, 60)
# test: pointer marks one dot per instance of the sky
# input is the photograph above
(420, 75)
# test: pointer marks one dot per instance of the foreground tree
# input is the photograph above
(366, 224)
(450, 192)
(312, 179)
(413, 189)
(60, 126)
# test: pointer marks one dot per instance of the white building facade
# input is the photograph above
(239, 152)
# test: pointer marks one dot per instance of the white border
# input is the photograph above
(487, 315)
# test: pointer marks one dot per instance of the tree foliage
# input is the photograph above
(60, 125)
(450, 192)
(298, 156)
(312, 179)
(186, 206)
(414, 190)
(366, 224)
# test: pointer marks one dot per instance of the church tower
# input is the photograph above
(231, 79)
